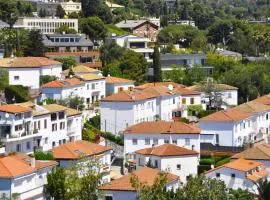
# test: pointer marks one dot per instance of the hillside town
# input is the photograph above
(134, 100)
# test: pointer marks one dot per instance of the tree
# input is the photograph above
(45, 79)
(16, 94)
(8, 12)
(42, 13)
(194, 75)
(76, 103)
(176, 75)
(157, 65)
(263, 187)
(65, 29)
(67, 62)
(93, 27)
(240, 194)
(60, 12)
(3, 78)
(35, 46)
(220, 32)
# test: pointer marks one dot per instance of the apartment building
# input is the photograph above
(240, 173)
(67, 43)
(23, 176)
(28, 127)
(21, 68)
(45, 25)
(170, 158)
(148, 134)
(73, 153)
(145, 103)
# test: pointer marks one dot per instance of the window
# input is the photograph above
(53, 144)
(60, 142)
(16, 78)
(147, 141)
(156, 164)
(233, 175)
(134, 141)
(155, 141)
(38, 125)
(174, 141)
(64, 141)
(173, 100)
(178, 167)
(120, 89)
(166, 141)
(184, 100)
(229, 95)
(187, 141)
(62, 125)
(61, 115)
(18, 147)
(54, 127)
(130, 88)
(267, 117)
(18, 127)
(45, 123)
(217, 175)
(28, 146)
(53, 116)
(191, 100)
(46, 140)
(93, 86)
(108, 198)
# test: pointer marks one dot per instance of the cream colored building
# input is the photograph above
(71, 6)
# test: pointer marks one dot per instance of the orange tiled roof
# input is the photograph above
(253, 107)
(75, 54)
(69, 82)
(263, 100)
(112, 79)
(166, 150)
(19, 164)
(25, 62)
(162, 127)
(78, 149)
(91, 77)
(13, 108)
(92, 64)
(230, 115)
(217, 86)
(259, 152)
(81, 69)
(145, 175)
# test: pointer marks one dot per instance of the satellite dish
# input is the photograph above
(7, 115)
(170, 87)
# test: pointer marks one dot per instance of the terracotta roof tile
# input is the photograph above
(263, 100)
(81, 69)
(218, 87)
(69, 82)
(95, 65)
(145, 175)
(13, 108)
(112, 80)
(259, 152)
(19, 164)
(25, 62)
(72, 112)
(91, 77)
(162, 127)
(54, 108)
(78, 149)
(75, 54)
(253, 107)
(230, 115)
(166, 150)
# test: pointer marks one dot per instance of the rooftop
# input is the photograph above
(131, 24)
(263, 100)
(27, 62)
(91, 77)
(170, 56)
(78, 149)
(259, 152)
(20, 164)
(112, 80)
(253, 107)
(69, 82)
(12, 108)
(162, 127)
(218, 86)
(166, 150)
(75, 54)
(145, 175)
(81, 69)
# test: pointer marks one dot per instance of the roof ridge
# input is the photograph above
(6, 167)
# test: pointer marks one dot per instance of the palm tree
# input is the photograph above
(263, 187)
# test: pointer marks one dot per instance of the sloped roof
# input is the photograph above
(27, 62)
(81, 69)
(217, 86)
(78, 149)
(166, 150)
(162, 127)
(69, 82)
(132, 24)
(13, 108)
(112, 80)
(263, 100)
(259, 152)
(145, 175)
(72, 54)
(253, 107)
(19, 164)
(91, 77)
(230, 115)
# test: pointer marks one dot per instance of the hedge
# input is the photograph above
(222, 162)
(207, 161)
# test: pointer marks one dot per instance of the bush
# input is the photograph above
(112, 137)
(95, 121)
(193, 109)
(206, 156)
(207, 161)
(17, 93)
(205, 113)
(222, 162)
(203, 168)
(40, 155)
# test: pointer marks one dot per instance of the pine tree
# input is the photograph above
(35, 46)
(157, 65)
(60, 12)
(91, 7)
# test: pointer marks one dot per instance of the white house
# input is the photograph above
(71, 153)
(23, 176)
(240, 173)
(215, 95)
(26, 71)
(135, 43)
(145, 103)
(47, 25)
(146, 134)
(234, 127)
(170, 158)
(258, 153)
(28, 127)
(115, 84)
(121, 188)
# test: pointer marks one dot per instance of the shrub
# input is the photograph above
(203, 168)
(95, 121)
(206, 156)
(207, 161)
(222, 162)
(40, 155)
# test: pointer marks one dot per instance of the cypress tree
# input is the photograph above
(157, 65)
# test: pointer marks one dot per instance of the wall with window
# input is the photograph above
(116, 87)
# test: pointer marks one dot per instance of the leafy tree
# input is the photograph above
(220, 32)
(16, 94)
(194, 75)
(176, 75)
(240, 194)
(40, 155)
(67, 62)
(35, 46)
(76, 103)
(263, 187)
(42, 13)
(157, 65)
(46, 78)
(93, 27)
(3, 78)
(60, 12)
(8, 12)
(65, 29)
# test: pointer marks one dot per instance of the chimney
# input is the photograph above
(33, 162)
